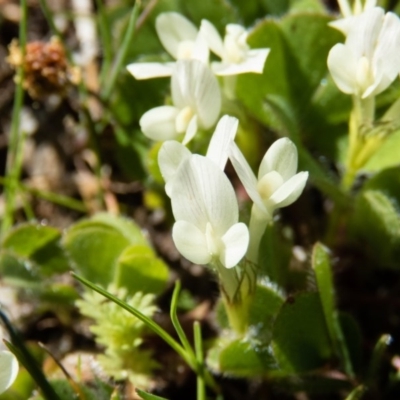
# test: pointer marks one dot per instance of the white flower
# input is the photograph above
(181, 40)
(196, 101)
(172, 153)
(236, 55)
(369, 60)
(206, 213)
(278, 184)
(8, 368)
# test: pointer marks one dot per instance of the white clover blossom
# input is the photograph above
(8, 368)
(196, 99)
(172, 153)
(206, 213)
(369, 60)
(182, 41)
(278, 185)
(236, 55)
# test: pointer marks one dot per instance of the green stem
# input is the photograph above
(361, 121)
(15, 149)
(55, 198)
(257, 225)
(201, 388)
(175, 321)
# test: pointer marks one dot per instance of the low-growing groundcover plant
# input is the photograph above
(201, 200)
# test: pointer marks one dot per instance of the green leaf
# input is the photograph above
(388, 154)
(95, 245)
(138, 269)
(38, 247)
(300, 338)
(148, 396)
(246, 359)
(323, 274)
(261, 318)
(25, 239)
(19, 272)
(322, 269)
(274, 255)
(125, 226)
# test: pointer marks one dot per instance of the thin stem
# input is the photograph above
(175, 321)
(15, 149)
(122, 53)
(55, 198)
(198, 344)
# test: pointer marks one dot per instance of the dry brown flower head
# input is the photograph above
(46, 68)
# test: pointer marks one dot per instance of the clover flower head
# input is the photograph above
(196, 99)
(236, 55)
(278, 185)
(369, 60)
(181, 40)
(206, 213)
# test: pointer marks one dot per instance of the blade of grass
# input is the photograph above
(120, 59)
(106, 40)
(14, 154)
(175, 321)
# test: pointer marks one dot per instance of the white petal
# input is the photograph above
(345, 7)
(362, 38)
(159, 123)
(343, 25)
(254, 62)
(224, 134)
(150, 70)
(194, 85)
(236, 241)
(245, 174)
(200, 50)
(190, 131)
(203, 194)
(170, 156)
(386, 59)
(191, 242)
(8, 370)
(206, 95)
(212, 37)
(342, 64)
(280, 157)
(172, 29)
(290, 191)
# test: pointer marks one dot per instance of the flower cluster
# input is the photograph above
(207, 230)
(195, 92)
(183, 41)
(369, 60)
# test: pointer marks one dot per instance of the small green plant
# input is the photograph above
(121, 334)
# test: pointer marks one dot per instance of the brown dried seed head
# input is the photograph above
(46, 68)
